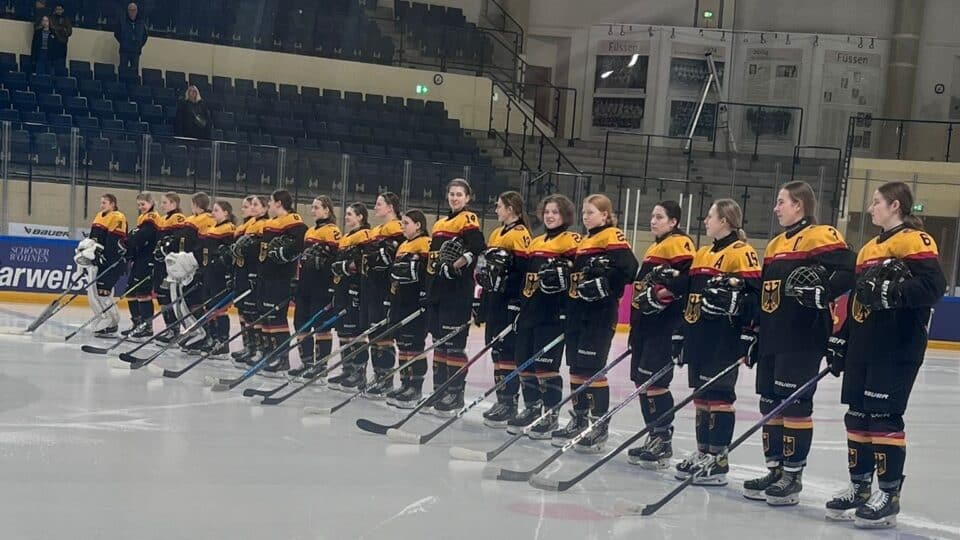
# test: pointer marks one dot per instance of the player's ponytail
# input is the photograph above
(900, 192)
(729, 211)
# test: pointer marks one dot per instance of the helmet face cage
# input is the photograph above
(805, 276)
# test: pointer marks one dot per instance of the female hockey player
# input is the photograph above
(602, 267)
(455, 243)
(378, 253)
(314, 287)
(794, 323)
(546, 281)
(500, 275)
(718, 331)
(246, 260)
(655, 316)
(140, 245)
(216, 268)
(98, 252)
(346, 283)
(280, 249)
(194, 226)
(169, 235)
(884, 337)
(407, 290)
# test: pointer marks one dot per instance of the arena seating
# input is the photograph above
(314, 125)
(329, 28)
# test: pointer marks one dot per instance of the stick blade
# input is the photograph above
(251, 392)
(270, 400)
(11, 331)
(514, 476)
(127, 357)
(116, 363)
(90, 349)
(547, 484)
(318, 411)
(372, 427)
(405, 437)
(466, 454)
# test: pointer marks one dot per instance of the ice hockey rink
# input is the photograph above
(89, 451)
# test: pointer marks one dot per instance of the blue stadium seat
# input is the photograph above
(104, 72)
(91, 89)
(142, 95)
(224, 120)
(101, 109)
(116, 91)
(161, 130)
(152, 77)
(60, 123)
(176, 81)
(176, 160)
(20, 147)
(222, 85)
(310, 94)
(50, 103)
(88, 126)
(152, 114)
(66, 86)
(99, 156)
(4, 99)
(12, 116)
(41, 84)
(126, 110)
(289, 92)
(24, 101)
(77, 106)
(45, 147)
(125, 155)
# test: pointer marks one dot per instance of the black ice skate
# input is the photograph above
(880, 512)
(755, 488)
(577, 423)
(519, 421)
(653, 454)
(106, 333)
(593, 441)
(449, 405)
(786, 490)
(500, 414)
(544, 428)
(845, 503)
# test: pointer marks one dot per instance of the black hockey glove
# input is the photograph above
(406, 270)
(814, 297)
(653, 299)
(449, 271)
(836, 355)
(383, 255)
(594, 289)
(723, 296)
(282, 250)
(554, 276)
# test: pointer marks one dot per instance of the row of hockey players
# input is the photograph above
(705, 308)
(711, 308)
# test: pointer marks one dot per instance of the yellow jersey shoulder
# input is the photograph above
(419, 246)
(672, 249)
(906, 244)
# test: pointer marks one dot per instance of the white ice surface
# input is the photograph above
(87, 451)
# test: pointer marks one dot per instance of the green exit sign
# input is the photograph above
(708, 14)
(917, 208)
(422, 89)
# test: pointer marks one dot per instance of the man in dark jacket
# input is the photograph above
(132, 36)
(62, 30)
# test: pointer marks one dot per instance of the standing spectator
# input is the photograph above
(62, 30)
(40, 10)
(193, 117)
(132, 36)
(41, 48)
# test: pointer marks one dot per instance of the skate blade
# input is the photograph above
(651, 465)
(495, 425)
(839, 515)
(783, 501)
(711, 481)
(885, 523)
(754, 495)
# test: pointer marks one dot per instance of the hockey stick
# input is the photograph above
(130, 358)
(626, 507)
(251, 392)
(222, 385)
(327, 411)
(55, 306)
(563, 485)
(466, 454)
(173, 374)
(381, 429)
(112, 305)
(398, 435)
(386, 332)
(144, 325)
(227, 300)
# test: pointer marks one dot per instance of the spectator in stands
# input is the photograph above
(193, 117)
(62, 30)
(41, 49)
(132, 36)
(40, 10)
